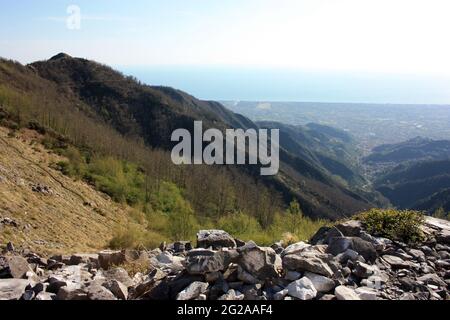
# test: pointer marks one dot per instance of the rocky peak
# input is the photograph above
(59, 56)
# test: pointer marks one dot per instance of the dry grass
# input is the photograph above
(57, 223)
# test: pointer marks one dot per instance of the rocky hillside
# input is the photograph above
(344, 263)
(44, 210)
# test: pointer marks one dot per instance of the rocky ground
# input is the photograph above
(343, 263)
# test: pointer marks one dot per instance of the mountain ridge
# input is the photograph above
(130, 107)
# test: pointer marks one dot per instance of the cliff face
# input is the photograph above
(344, 263)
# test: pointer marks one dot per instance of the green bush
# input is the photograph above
(441, 214)
(290, 226)
(121, 180)
(134, 237)
(239, 225)
(398, 225)
(180, 222)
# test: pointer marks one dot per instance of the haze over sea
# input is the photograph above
(238, 83)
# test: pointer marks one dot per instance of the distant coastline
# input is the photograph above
(252, 84)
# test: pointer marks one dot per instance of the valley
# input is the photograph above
(402, 151)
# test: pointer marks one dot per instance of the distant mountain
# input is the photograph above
(411, 174)
(438, 200)
(330, 149)
(421, 185)
(417, 149)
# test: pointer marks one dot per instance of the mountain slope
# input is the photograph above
(53, 213)
(96, 96)
(417, 184)
(434, 202)
(417, 149)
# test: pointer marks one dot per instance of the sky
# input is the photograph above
(401, 37)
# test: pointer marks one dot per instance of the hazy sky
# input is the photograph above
(398, 36)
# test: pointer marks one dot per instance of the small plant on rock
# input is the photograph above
(397, 225)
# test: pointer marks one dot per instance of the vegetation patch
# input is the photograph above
(399, 225)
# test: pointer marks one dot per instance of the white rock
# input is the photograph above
(232, 295)
(302, 289)
(366, 293)
(193, 291)
(280, 295)
(12, 289)
(45, 296)
(295, 248)
(321, 283)
(346, 293)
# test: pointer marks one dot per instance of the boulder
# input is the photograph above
(109, 258)
(28, 295)
(321, 283)
(12, 289)
(55, 283)
(117, 288)
(366, 293)
(215, 239)
(396, 262)
(193, 291)
(363, 270)
(292, 275)
(261, 262)
(71, 293)
(295, 248)
(202, 261)
(339, 245)
(151, 289)
(346, 293)
(365, 249)
(280, 295)
(308, 261)
(417, 254)
(246, 277)
(443, 236)
(169, 261)
(328, 297)
(347, 255)
(182, 246)
(302, 289)
(432, 279)
(45, 296)
(96, 292)
(319, 236)
(120, 275)
(351, 228)
(14, 267)
(77, 259)
(232, 295)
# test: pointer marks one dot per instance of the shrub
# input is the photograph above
(135, 237)
(239, 225)
(441, 214)
(121, 180)
(182, 222)
(398, 225)
(134, 267)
